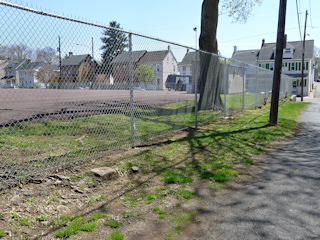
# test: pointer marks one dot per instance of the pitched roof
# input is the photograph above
(30, 65)
(155, 56)
(189, 58)
(247, 56)
(74, 60)
(267, 52)
(124, 57)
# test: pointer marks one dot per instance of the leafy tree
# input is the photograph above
(114, 42)
(47, 76)
(209, 85)
(144, 73)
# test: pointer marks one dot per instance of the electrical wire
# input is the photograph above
(298, 19)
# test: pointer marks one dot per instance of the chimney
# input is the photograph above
(235, 48)
(70, 54)
(263, 41)
(187, 51)
(169, 48)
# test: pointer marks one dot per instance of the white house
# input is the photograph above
(26, 74)
(291, 64)
(163, 64)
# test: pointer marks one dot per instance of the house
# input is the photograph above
(78, 69)
(186, 69)
(291, 64)
(163, 64)
(8, 70)
(120, 67)
(26, 74)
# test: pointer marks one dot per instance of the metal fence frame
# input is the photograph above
(239, 67)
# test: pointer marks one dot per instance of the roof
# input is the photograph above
(189, 58)
(267, 52)
(30, 65)
(155, 56)
(74, 60)
(247, 56)
(14, 63)
(124, 57)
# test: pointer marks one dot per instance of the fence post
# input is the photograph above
(243, 87)
(225, 87)
(196, 90)
(132, 126)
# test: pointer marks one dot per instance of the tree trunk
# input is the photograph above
(209, 84)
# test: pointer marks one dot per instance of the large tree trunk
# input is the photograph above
(209, 86)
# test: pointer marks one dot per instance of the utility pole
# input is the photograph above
(278, 64)
(60, 67)
(93, 67)
(303, 50)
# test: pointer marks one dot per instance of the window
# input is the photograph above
(307, 65)
(271, 66)
(292, 67)
(69, 70)
(118, 68)
(74, 70)
(64, 71)
(123, 68)
(286, 64)
(299, 65)
(267, 65)
(158, 67)
(287, 51)
(158, 81)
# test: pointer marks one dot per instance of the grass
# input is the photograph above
(113, 224)
(211, 153)
(3, 234)
(115, 236)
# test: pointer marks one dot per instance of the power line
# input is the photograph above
(298, 19)
(310, 13)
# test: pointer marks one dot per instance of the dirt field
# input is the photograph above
(17, 105)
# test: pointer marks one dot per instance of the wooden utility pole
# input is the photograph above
(303, 50)
(278, 64)
(60, 67)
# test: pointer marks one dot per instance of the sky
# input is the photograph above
(174, 20)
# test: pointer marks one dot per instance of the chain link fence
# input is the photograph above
(72, 91)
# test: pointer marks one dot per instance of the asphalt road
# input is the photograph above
(31, 104)
(283, 201)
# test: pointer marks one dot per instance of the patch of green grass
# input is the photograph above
(14, 215)
(53, 199)
(113, 224)
(115, 236)
(25, 222)
(3, 234)
(97, 216)
(41, 218)
(158, 210)
(175, 176)
(128, 214)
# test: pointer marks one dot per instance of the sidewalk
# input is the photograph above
(283, 200)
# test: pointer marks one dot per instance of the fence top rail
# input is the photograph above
(44, 13)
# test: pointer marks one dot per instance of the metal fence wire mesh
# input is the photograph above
(72, 91)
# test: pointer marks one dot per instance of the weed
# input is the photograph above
(158, 210)
(30, 200)
(115, 236)
(3, 234)
(178, 204)
(25, 222)
(15, 215)
(97, 216)
(41, 218)
(128, 214)
(113, 224)
(53, 199)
